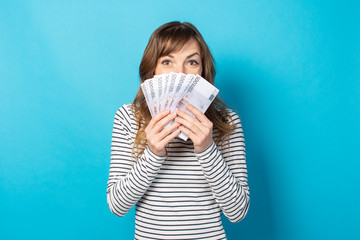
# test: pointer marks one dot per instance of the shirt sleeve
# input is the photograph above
(226, 172)
(128, 179)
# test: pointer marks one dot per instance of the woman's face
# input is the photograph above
(187, 60)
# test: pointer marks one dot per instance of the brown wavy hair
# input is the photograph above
(168, 38)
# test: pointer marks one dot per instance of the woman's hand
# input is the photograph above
(157, 136)
(198, 129)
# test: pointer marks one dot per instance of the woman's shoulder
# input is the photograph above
(126, 115)
(231, 114)
(127, 107)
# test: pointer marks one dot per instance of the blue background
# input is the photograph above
(291, 68)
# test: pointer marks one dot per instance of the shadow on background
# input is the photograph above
(238, 90)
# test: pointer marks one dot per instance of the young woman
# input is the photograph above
(179, 187)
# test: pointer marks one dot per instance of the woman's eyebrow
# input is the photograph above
(191, 55)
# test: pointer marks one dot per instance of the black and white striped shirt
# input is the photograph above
(179, 196)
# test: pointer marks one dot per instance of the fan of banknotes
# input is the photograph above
(173, 90)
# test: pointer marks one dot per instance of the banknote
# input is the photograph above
(153, 103)
(174, 90)
(166, 79)
(200, 94)
(146, 91)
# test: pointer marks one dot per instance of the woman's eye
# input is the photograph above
(165, 62)
(193, 62)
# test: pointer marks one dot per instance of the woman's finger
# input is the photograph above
(158, 117)
(189, 118)
(188, 133)
(167, 130)
(189, 124)
(164, 121)
(171, 136)
(202, 118)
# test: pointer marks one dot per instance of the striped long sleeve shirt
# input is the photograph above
(181, 195)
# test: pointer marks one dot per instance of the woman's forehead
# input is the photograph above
(179, 46)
